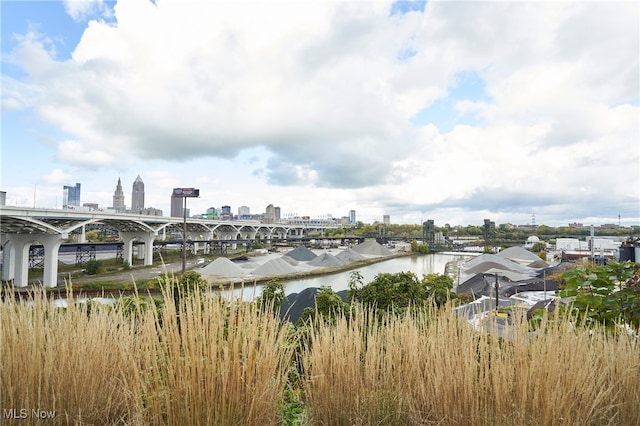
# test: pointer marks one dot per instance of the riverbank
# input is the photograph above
(317, 272)
(125, 282)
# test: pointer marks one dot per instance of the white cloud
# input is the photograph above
(324, 93)
(81, 10)
(57, 177)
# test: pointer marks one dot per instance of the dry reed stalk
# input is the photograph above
(68, 361)
(436, 369)
(351, 372)
(211, 362)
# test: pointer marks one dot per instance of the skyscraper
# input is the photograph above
(270, 214)
(118, 198)
(177, 207)
(244, 212)
(352, 217)
(137, 196)
(71, 196)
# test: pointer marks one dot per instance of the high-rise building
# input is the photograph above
(386, 219)
(270, 214)
(137, 196)
(352, 217)
(151, 211)
(3, 198)
(177, 206)
(118, 198)
(226, 213)
(276, 212)
(71, 196)
(212, 213)
(244, 213)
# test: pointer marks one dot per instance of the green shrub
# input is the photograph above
(94, 267)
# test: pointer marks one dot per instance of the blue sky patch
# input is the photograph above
(45, 17)
(405, 6)
(407, 53)
(466, 85)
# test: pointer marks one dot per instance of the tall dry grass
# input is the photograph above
(436, 369)
(67, 361)
(209, 361)
(212, 363)
(204, 362)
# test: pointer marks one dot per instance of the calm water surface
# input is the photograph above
(427, 264)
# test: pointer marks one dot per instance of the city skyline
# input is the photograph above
(452, 111)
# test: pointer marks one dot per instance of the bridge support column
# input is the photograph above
(195, 246)
(51, 245)
(21, 244)
(146, 237)
(8, 261)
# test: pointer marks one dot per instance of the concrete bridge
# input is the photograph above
(21, 227)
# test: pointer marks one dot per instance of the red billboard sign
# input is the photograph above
(186, 192)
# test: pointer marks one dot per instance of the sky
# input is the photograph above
(453, 111)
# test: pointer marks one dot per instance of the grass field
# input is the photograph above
(210, 361)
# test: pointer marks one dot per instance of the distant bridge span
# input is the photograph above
(21, 227)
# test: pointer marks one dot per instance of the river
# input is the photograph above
(427, 264)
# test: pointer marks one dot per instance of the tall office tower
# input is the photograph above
(276, 211)
(270, 214)
(118, 198)
(244, 212)
(71, 195)
(225, 213)
(352, 217)
(177, 206)
(137, 196)
(212, 213)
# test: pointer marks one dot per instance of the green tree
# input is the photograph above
(604, 294)
(439, 288)
(328, 305)
(417, 247)
(328, 302)
(538, 247)
(396, 292)
(273, 296)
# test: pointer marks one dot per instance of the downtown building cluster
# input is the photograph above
(272, 214)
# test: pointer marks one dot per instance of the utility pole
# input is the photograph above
(497, 287)
(184, 235)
